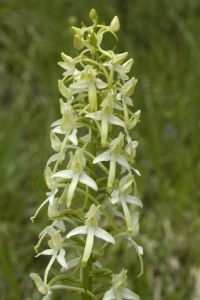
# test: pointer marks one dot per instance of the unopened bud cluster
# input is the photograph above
(92, 201)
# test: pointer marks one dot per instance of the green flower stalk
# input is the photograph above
(92, 199)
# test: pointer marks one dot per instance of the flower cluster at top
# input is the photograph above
(92, 198)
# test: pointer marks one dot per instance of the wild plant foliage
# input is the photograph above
(92, 199)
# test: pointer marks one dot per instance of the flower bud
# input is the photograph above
(93, 15)
(115, 25)
(119, 58)
(78, 42)
(67, 59)
(129, 87)
(78, 31)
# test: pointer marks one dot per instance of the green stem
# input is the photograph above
(86, 279)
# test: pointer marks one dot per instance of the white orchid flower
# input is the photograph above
(76, 174)
(89, 83)
(56, 251)
(67, 125)
(68, 64)
(116, 64)
(106, 116)
(126, 91)
(59, 224)
(113, 155)
(130, 123)
(121, 195)
(91, 229)
(130, 147)
(118, 290)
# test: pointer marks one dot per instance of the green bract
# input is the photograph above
(92, 201)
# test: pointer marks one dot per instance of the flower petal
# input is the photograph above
(65, 174)
(65, 92)
(53, 158)
(96, 115)
(78, 230)
(134, 200)
(59, 130)
(46, 252)
(123, 162)
(137, 172)
(138, 248)
(59, 224)
(115, 120)
(115, 197)
(51, 195)
(127, 216)
(100, 84)
(73, 262)
(128, 88)
(135, 222)
(56, 123)
(61, 259)
(85, 179)
(104, 235)
(129, 295)
(88, 244)
(73, 138)
(80, 85)
(72, 187)
(109, 295)
(105, 156)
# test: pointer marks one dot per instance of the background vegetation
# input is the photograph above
(163, 37)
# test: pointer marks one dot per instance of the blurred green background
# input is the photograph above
(163, 37)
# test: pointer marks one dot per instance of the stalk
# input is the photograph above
(87, 280)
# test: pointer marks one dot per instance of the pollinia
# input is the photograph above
(92, 199)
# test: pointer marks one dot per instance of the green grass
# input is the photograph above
(163, 37)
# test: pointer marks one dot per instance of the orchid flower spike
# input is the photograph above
(91, 199)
